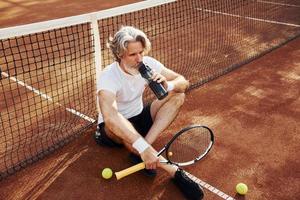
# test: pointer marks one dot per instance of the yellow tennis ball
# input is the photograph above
(170, 153)
(107, 173)
(241, 188)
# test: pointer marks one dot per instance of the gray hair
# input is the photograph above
(119, 43)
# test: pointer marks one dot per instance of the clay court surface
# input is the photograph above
(254, 112)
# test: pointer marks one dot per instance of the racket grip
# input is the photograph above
(130, 170)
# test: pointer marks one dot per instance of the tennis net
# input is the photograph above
(49, 69)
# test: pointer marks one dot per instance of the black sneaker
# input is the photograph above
(190, 189)
(135, 159)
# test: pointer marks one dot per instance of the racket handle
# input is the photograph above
(130, 170)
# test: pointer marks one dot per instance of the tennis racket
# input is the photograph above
(188, 146)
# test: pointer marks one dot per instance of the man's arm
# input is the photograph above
(179, 82)
(114, 121)
(122, 128)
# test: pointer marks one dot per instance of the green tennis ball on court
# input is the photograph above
(107, 173)
(241, 188)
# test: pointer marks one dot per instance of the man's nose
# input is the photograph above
(139, 58)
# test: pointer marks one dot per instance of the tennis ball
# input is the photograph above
(241, 188)
(107, 173)
(170, 153)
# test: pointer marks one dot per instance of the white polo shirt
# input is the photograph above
(127, 88)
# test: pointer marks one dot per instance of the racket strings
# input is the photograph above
(189, 145)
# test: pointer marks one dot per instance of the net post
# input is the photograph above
(97, 48)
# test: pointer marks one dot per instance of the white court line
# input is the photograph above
(251, 18)
(210, 188)
(281, 4)
(47, 97)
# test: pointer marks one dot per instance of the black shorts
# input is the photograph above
(141, 122)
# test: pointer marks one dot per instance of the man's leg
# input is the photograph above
(163, 113)
(102, 138)
(118, 140)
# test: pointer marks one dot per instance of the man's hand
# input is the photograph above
(150, 158)
(159, 78)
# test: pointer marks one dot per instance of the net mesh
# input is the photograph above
(48, 78)
(47, 83)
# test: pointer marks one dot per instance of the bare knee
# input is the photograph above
(178, 99)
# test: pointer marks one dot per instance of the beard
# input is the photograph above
(131, 68)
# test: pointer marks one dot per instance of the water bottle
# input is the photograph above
(157, 88)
